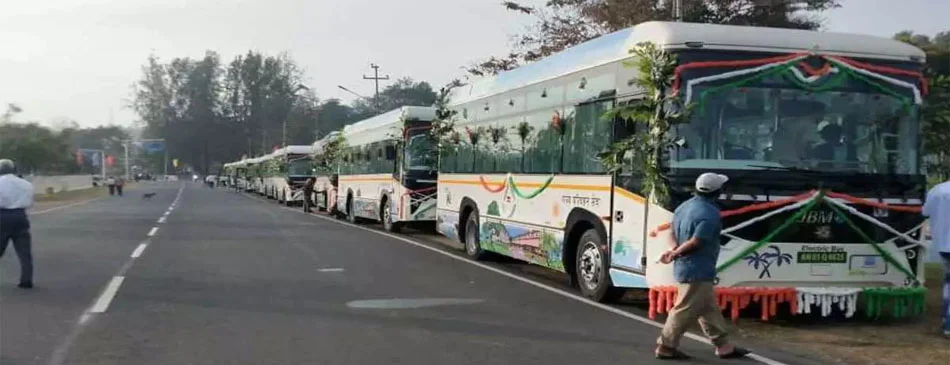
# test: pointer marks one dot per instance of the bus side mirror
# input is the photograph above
(390, 153)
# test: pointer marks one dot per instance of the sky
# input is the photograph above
(77, 59)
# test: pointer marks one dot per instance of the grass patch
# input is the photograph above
(859, 340)
(71, 195)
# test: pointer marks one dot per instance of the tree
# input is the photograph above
(936, 127)
(936, 110)
(34, 148)
(937, 49)
(209, 113)
(403, 92)
(564, 23)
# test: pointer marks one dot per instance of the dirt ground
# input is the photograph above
(862, 341)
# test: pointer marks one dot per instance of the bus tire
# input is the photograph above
(471, 239)
(387, 217)
(592, 270)
(321, 197)
(350, 214)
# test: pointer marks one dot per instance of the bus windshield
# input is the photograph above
(419, 154)
(774, 124)
(299, 167)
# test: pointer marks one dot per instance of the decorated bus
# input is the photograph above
(325, 152)
(254, 181)
(285, 172)
(576, 163)
(387, 171)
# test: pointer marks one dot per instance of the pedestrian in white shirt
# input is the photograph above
(937, 209)
(16, 195)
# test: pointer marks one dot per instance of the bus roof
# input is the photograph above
(380, 127)
(672, 35)
(293, 150)
(321, 143)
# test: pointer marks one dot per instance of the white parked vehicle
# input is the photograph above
(766, 101)
(284, 172)
(387, 172)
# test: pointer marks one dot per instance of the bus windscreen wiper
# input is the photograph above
(785, 168)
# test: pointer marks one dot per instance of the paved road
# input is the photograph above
(230, 279)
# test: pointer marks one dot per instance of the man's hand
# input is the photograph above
(667, 257)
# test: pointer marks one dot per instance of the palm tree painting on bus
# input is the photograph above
(765, 260)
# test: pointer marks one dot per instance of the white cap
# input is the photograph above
(708, 182)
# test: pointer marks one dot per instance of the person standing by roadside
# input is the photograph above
(937, 209)
(110, 182)
(695, 240)
(119, 184)
(16, 195)
(308, 195)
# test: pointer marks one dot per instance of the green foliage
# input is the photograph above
(443, 127)
(497, 134)
(211, 113)
(403, 92)
(332, 153)
(560, 24)
(936, 126)
(658, 110)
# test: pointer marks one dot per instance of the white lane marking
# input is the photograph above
(540, 285)
(162, 219)
(53, 209)
(332, 269)
(138, 250)
(103, 302)
(85, 317)
(152, 232)
(409, 303)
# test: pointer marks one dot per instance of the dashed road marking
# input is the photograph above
(106, 298)
(138, 250)
(153, 231)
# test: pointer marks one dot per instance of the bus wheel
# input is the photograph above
(350, 214)
(473, 247)
(388, 223)
(592, 269)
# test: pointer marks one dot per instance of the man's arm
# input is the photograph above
(704, 229)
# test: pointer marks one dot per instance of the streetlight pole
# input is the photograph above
(351, 92)
(376, 79)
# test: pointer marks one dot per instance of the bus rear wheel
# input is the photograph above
(473, 246)
(387, 218)
(350, 212)
(592, 269)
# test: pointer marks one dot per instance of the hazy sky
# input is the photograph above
(76, 59)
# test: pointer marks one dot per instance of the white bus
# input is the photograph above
(324, 189)
(285, 172)
(769, 106)
(388, 169)
(254, 180)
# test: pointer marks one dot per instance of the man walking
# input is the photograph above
(696, 228)
(308, 195)
(16, 195)
(937, 209)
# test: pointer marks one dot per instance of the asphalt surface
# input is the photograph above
(229, 279)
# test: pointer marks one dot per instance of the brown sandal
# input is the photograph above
(673, 355)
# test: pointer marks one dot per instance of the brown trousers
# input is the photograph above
(695, 301)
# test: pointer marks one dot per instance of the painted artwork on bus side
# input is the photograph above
(537, 246)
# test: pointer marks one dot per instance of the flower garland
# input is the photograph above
(825, 298)
(544, 186)
(904, 301)
(763, 64)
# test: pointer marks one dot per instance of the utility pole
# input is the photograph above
(376, 78)
(678, 10)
